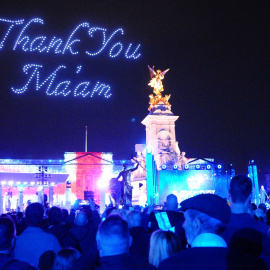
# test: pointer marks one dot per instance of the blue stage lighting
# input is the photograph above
(198, 167)
(175, 167)
(164, 167)
(219, 166)
(208, 167)
(186, 167)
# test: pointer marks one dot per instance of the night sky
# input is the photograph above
(217, 52)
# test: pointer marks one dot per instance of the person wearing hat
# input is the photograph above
(206, 216)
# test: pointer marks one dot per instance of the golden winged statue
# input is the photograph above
(156, 83)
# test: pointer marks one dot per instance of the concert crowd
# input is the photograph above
(202, 232)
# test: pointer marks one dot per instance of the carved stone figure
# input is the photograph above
(115, 190)
(126, 189)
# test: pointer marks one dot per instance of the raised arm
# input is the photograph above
(134, 169)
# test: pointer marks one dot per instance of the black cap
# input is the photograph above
(209, 204)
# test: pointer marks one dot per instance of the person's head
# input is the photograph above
(263, 208)
(240, 189)
(134, 218)
(19, 215)
(81, 219)
(116, 212)
(109, 210)
(262, 187)
(46, 260)
(268, 217)
(261, 212)
(247, 240)
(205, 213)
(87, 210)
(55, 216)
(163, 244)
(138, 208)
(125, 166)
(172, 202)
(65, 213)
(66, 258)
(113, 236)
(34, 214)
(252, 207)
(7, 235)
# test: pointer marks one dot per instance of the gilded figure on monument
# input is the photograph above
(156, 83)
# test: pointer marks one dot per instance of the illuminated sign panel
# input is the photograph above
(84, 39)
(187, 183)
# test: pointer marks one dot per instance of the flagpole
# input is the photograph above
(85, 138)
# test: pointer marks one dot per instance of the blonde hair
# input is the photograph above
(163, 244)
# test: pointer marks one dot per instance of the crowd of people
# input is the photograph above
(203, 232)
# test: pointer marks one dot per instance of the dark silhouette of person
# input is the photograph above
(263, 195)
(240, 194)
(140, 238)
(7, 245)
(65, 238)
(84, 231)
(33, 242)
(114, 241)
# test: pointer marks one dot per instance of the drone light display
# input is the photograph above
(21, 36)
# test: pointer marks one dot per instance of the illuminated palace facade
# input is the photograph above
(63, 181)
